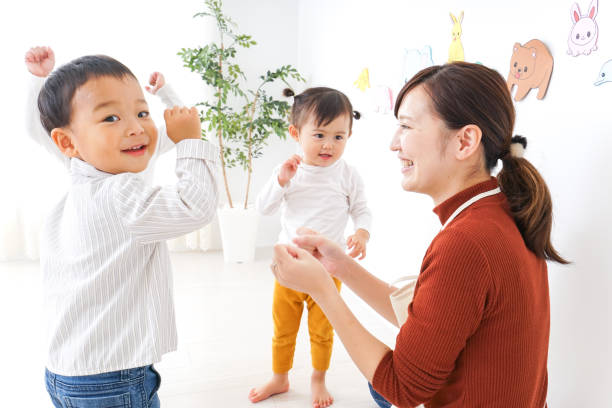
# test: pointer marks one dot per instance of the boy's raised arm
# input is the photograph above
(159, 213)
(40, 62)
(158, 86)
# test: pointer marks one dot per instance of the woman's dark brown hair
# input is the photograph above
(462, 94)
(325, 103)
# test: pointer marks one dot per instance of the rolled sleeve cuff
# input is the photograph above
(379, 380)
(197, 149)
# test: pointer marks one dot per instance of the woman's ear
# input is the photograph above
(294, 133)
(468, 141)
(63, 139)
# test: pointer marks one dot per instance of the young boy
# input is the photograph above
(107, 279)
(40, 62)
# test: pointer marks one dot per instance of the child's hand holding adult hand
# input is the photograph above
(288, 169)
(156, 81)
(182, 123)
(326, 251)
(40, 61)
(297, 269)
(357, 243)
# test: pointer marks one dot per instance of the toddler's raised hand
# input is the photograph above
(40, 61)
(156, 80)
(288, 169)
(357, 243)
(182, 123)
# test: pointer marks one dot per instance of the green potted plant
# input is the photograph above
(240, 119)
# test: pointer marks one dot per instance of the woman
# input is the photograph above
(478, 325)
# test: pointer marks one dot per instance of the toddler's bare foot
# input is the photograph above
(321, 398)
(278, 384)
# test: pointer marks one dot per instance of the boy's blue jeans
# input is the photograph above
(133, 388)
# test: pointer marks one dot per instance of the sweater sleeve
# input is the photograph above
(271, 195)
(358, 205)
(155, 214)
(34, 128)
(448, 305)
(170, 99)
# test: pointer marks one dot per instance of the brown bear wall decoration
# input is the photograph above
(530, 67)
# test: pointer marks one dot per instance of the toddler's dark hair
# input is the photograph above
(325, 103)
(55, 97)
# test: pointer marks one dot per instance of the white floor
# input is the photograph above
(225, 330)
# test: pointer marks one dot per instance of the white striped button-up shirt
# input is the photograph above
(107, 278)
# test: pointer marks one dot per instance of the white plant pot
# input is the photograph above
(238, 233)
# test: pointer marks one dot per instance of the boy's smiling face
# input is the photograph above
(110, 127)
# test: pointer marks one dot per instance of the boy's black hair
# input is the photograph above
(55, 97)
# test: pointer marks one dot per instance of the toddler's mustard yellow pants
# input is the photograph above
(287, 307)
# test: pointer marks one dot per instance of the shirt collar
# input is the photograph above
(446, 208)
(80, 168)
(320, 169)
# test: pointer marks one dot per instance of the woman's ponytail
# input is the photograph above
(530, 204)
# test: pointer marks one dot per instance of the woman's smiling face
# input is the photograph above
(421, 141)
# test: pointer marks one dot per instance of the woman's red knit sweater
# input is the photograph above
(478, 326)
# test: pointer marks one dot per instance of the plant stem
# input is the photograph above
(246, 197)
(220, 131)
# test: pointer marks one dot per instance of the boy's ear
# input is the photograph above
(293, 132)
(468, 141)
(63, 140)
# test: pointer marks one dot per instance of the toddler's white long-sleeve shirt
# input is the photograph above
(320, 198)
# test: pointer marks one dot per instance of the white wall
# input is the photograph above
(569, 142)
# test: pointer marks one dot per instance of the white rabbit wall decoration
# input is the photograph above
(584, 33)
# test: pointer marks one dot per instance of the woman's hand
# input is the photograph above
(296, 269)
(331, 255)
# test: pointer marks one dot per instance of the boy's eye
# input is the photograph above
(339, 137)
(111, 118)
(143, 114)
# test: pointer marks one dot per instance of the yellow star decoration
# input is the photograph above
(363, 81)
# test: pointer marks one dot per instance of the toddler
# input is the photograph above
(318, 190)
